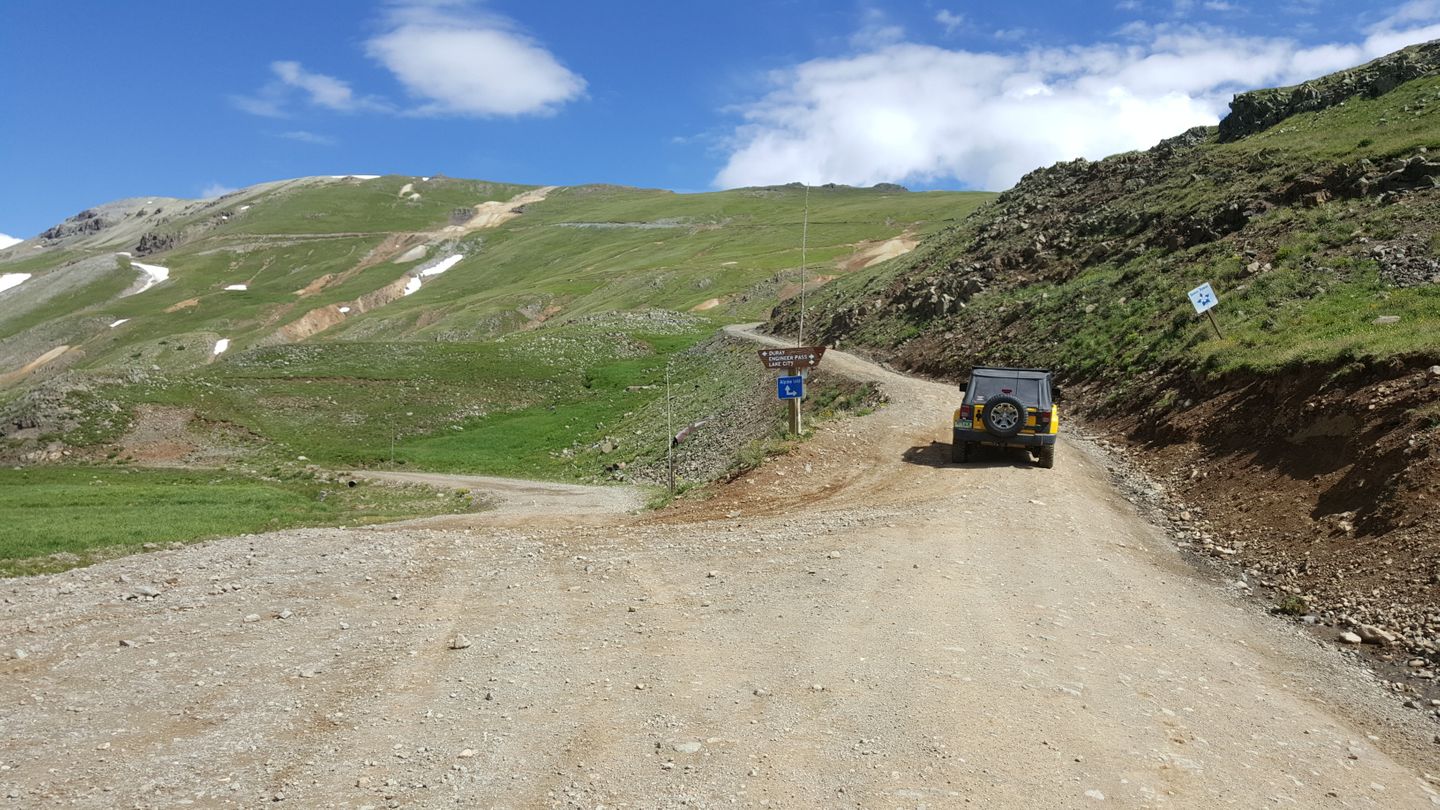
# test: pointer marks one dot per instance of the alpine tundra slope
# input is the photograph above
(855, 624)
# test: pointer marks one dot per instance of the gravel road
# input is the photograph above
(856, 624)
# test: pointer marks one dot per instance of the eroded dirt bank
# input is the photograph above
(856, 624)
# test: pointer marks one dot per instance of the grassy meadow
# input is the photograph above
(59, 517)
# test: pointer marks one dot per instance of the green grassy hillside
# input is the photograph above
(344, 342)
(541, 350)
(1309, 231)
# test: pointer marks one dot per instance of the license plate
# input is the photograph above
(965, 424)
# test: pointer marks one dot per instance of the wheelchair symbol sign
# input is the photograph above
(1203, 298)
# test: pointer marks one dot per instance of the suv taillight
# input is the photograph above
(966, 411)
(1042, 417)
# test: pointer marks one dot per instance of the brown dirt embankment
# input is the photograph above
(1322, 483)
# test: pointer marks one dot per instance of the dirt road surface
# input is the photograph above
(855, 624)
(540, 500)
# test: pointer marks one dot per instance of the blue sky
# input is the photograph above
(104, 100)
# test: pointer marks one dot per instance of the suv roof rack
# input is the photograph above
(1024, 373)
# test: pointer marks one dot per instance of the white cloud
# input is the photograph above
(457, 61)
(214, 190)
(323, 91)
(1013, 34)
(906, 112)
(7, 240)
(1416, 11)
(304, 136)
(876, 31)
(293, 80)
(451, 57)
(949, 20)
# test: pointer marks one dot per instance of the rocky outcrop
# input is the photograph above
(84, 223)
(156, 242)
(1262, 109)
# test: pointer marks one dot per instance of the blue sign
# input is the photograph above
(790, 387)
(1203, 298)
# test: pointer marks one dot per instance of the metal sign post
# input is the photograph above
(795, 426)
(792, 388)
(1204, 299)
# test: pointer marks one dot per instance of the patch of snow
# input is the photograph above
(424, 179)
(344, 310)
(243, 208)
(6, 240)
(117, 323)
(221, 345)
(355, 176)
(9, 280)
(414, 197)
(124, 253)
(239, 287)
(411, 286)
(443, 265)
(154, 274)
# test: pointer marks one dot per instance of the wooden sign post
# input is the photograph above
(796, 362)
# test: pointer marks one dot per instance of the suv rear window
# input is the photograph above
(982, 389)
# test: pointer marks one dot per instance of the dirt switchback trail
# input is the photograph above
(855, 624)
(540, 500)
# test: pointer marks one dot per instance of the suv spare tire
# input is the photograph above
(1004, 416)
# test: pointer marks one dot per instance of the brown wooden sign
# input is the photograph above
(797, 357)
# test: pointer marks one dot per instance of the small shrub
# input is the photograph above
(1291, 605)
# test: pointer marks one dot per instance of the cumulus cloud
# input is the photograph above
(7, 240)
(458, 61)
(448, 55)
(293, 81)
(906, 112)
(1413, 22)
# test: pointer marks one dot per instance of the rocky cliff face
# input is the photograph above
(1260, 110)
(83, 223)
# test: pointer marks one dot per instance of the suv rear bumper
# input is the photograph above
(1022, 440)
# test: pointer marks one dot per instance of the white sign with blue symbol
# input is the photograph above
(1203, 298)
(790, 387)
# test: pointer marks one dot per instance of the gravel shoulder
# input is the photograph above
(855, 624)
